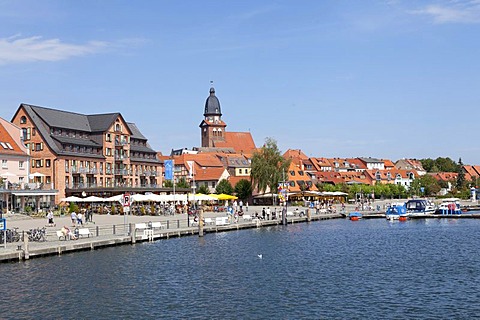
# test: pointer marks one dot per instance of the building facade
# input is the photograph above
(79, 154)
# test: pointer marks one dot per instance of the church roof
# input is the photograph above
(212, 105)
(242, 142)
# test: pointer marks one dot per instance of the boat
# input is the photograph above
(449, 206)
(355, 216)
(396, 211)
(419, 207)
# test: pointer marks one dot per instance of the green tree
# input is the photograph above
(167, 183)
(243, 189)
(429, 184)
(461, 176)
(268, 167)
(182, 183)
(203, 189)
(224, 186)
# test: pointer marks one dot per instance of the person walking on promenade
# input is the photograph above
(80, 218)
(263, 213)
(74, 218)
(50, 218)
(268, 213)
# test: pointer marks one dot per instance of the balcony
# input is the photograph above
(120, 143)
(119, 157)
(122, 172)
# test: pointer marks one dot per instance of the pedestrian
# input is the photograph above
(74, 218)
(263, 213)
(268, 213)
(241, 205)
(87, 215)
(50, 218)
(80, 218)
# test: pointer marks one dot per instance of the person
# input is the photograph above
(241, 205)
(80, 218)
(268, 213)
(74, 218)
(50, 218)
(67, 233)
(296, 212)
(263, 213)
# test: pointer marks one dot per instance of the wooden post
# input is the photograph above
(26, 254)
(133, 234)
(200, 223)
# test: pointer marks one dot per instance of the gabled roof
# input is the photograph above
(7, 141)
(136, 134)
(444, 176)
(242, 142)
(208, 174)
(294, 154)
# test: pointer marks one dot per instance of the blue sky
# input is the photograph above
(386, 79)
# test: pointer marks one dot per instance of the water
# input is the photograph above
(337, 269)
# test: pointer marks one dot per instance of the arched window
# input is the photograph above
(23, 120)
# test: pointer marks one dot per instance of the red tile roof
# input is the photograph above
(241, 142)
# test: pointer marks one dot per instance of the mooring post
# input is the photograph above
(133, 233)
(200, 223)
(309, 215)
(26, 255)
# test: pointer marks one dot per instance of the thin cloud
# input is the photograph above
(17, 50)
(455, 12)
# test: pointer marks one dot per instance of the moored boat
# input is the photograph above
(449, 206)
(355, 216)
(419, 207)
(395, 211)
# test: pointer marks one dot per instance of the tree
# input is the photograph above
(182, 183)
(224, 186)
(168, 183)
(429, 184)
(268, 167)
(461, 175)
(203, 189)
(243, 189)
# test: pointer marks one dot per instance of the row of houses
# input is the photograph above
(48, 154)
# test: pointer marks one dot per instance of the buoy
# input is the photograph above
(402, 218)
(354, 218)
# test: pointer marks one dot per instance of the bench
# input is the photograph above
(290, 214)
(247, 217)
(84, 232)
(208, 221)
(157, 225)
(141, 226)
(221, 221)
(60, 235)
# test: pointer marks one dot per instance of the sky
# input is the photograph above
(335, 78)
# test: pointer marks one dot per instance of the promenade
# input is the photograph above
(111, 230)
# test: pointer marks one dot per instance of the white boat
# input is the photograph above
(419, 207)
(449, 206)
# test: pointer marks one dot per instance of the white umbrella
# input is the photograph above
(7, 174)
(93, 199)
(117, 198)
(71, 199)
(36, 174)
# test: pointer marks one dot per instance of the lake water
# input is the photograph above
(335, 269)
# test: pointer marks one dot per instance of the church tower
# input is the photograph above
(212, 127)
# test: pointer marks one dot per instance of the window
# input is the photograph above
(9, 145)
(118, 127)
(4, 164)
(108, 137)
(66, 166)
(34, 131)
(39, 146)
(47, 163)
(108, 151)
(240, 171)
(23, 120)
(39, 163)
(300, 173)
(21, 164)
(292, 173)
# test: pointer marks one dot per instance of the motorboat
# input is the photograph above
(355, 216)
(419, 207)
(449, 206)
(396, 211)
